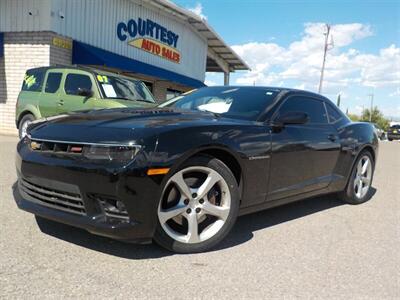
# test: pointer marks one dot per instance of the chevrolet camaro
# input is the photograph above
(180, 174)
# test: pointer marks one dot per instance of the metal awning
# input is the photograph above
(84, 54)
(220, 57)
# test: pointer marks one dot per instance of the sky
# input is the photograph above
(283, 41)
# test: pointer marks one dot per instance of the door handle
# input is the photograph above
(61, 102)
(332, 137)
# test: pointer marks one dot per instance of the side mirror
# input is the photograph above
(291, 117)
(85, 92)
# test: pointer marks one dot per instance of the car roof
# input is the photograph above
(282, 90)
(92, 70)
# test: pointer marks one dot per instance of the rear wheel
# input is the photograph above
(198, 207)
(358, 188)
(23, 125)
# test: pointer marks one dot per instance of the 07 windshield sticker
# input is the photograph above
(29, 80)
(102, 78)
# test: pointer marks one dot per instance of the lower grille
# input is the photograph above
(68, 202)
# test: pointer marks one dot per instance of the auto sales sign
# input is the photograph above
(151, 37)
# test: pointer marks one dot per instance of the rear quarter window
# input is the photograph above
(33, 80)
(333, 115)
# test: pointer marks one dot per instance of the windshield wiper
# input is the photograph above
(143, 100)
(217, 115)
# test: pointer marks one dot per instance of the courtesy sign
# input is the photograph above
(151, 37)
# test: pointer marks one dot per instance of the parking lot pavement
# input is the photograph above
(315, 248)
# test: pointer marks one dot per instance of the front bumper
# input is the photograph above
(126, 231)
(46, 185)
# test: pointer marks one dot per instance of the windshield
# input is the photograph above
(114, 87)
(245, 103)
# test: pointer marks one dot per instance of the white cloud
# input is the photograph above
(395, 93)
(380, 70)
(198, 10)
(301, 61)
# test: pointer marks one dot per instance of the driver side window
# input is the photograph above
(74, 82)
(314, 108)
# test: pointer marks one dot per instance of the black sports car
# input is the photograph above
(180, 174)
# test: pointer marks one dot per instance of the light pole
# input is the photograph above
(326, 49)
(372, 103)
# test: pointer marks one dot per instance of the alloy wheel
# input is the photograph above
(24, 128)
(195, 205)
(363, 175)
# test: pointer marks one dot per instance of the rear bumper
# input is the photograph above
(394, 136)
(53, 181)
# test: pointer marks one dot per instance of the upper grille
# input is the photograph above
(56, 147)
(65, 201)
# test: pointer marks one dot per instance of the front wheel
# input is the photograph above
(198, 207)
(358, 188)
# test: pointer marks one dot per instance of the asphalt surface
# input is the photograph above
(317, 248)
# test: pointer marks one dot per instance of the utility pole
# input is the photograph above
(372, 103)
(326, 48)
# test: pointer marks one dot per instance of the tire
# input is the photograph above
(23, 124)
(390, 139)
(194, 229)
(358, 188)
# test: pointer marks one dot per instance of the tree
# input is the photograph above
(376, 117)
(353, 117)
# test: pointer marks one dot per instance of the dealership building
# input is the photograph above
(166, 46)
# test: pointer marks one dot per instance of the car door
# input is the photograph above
(304, 156)
(70, 99)
(48, 103)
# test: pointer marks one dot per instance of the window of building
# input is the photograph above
(149, 86)
(172, 93)
(313, 108)
(74, 82)
(53, 82)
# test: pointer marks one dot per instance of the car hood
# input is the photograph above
(123, 124)
(119, 102)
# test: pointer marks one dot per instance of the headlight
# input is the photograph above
(110, 153)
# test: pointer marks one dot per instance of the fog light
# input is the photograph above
(121, 206)
(111, 207)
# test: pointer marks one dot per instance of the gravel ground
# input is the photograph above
(316, 248)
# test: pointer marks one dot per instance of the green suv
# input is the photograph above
(49, 91)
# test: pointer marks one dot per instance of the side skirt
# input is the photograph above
(282, 201)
